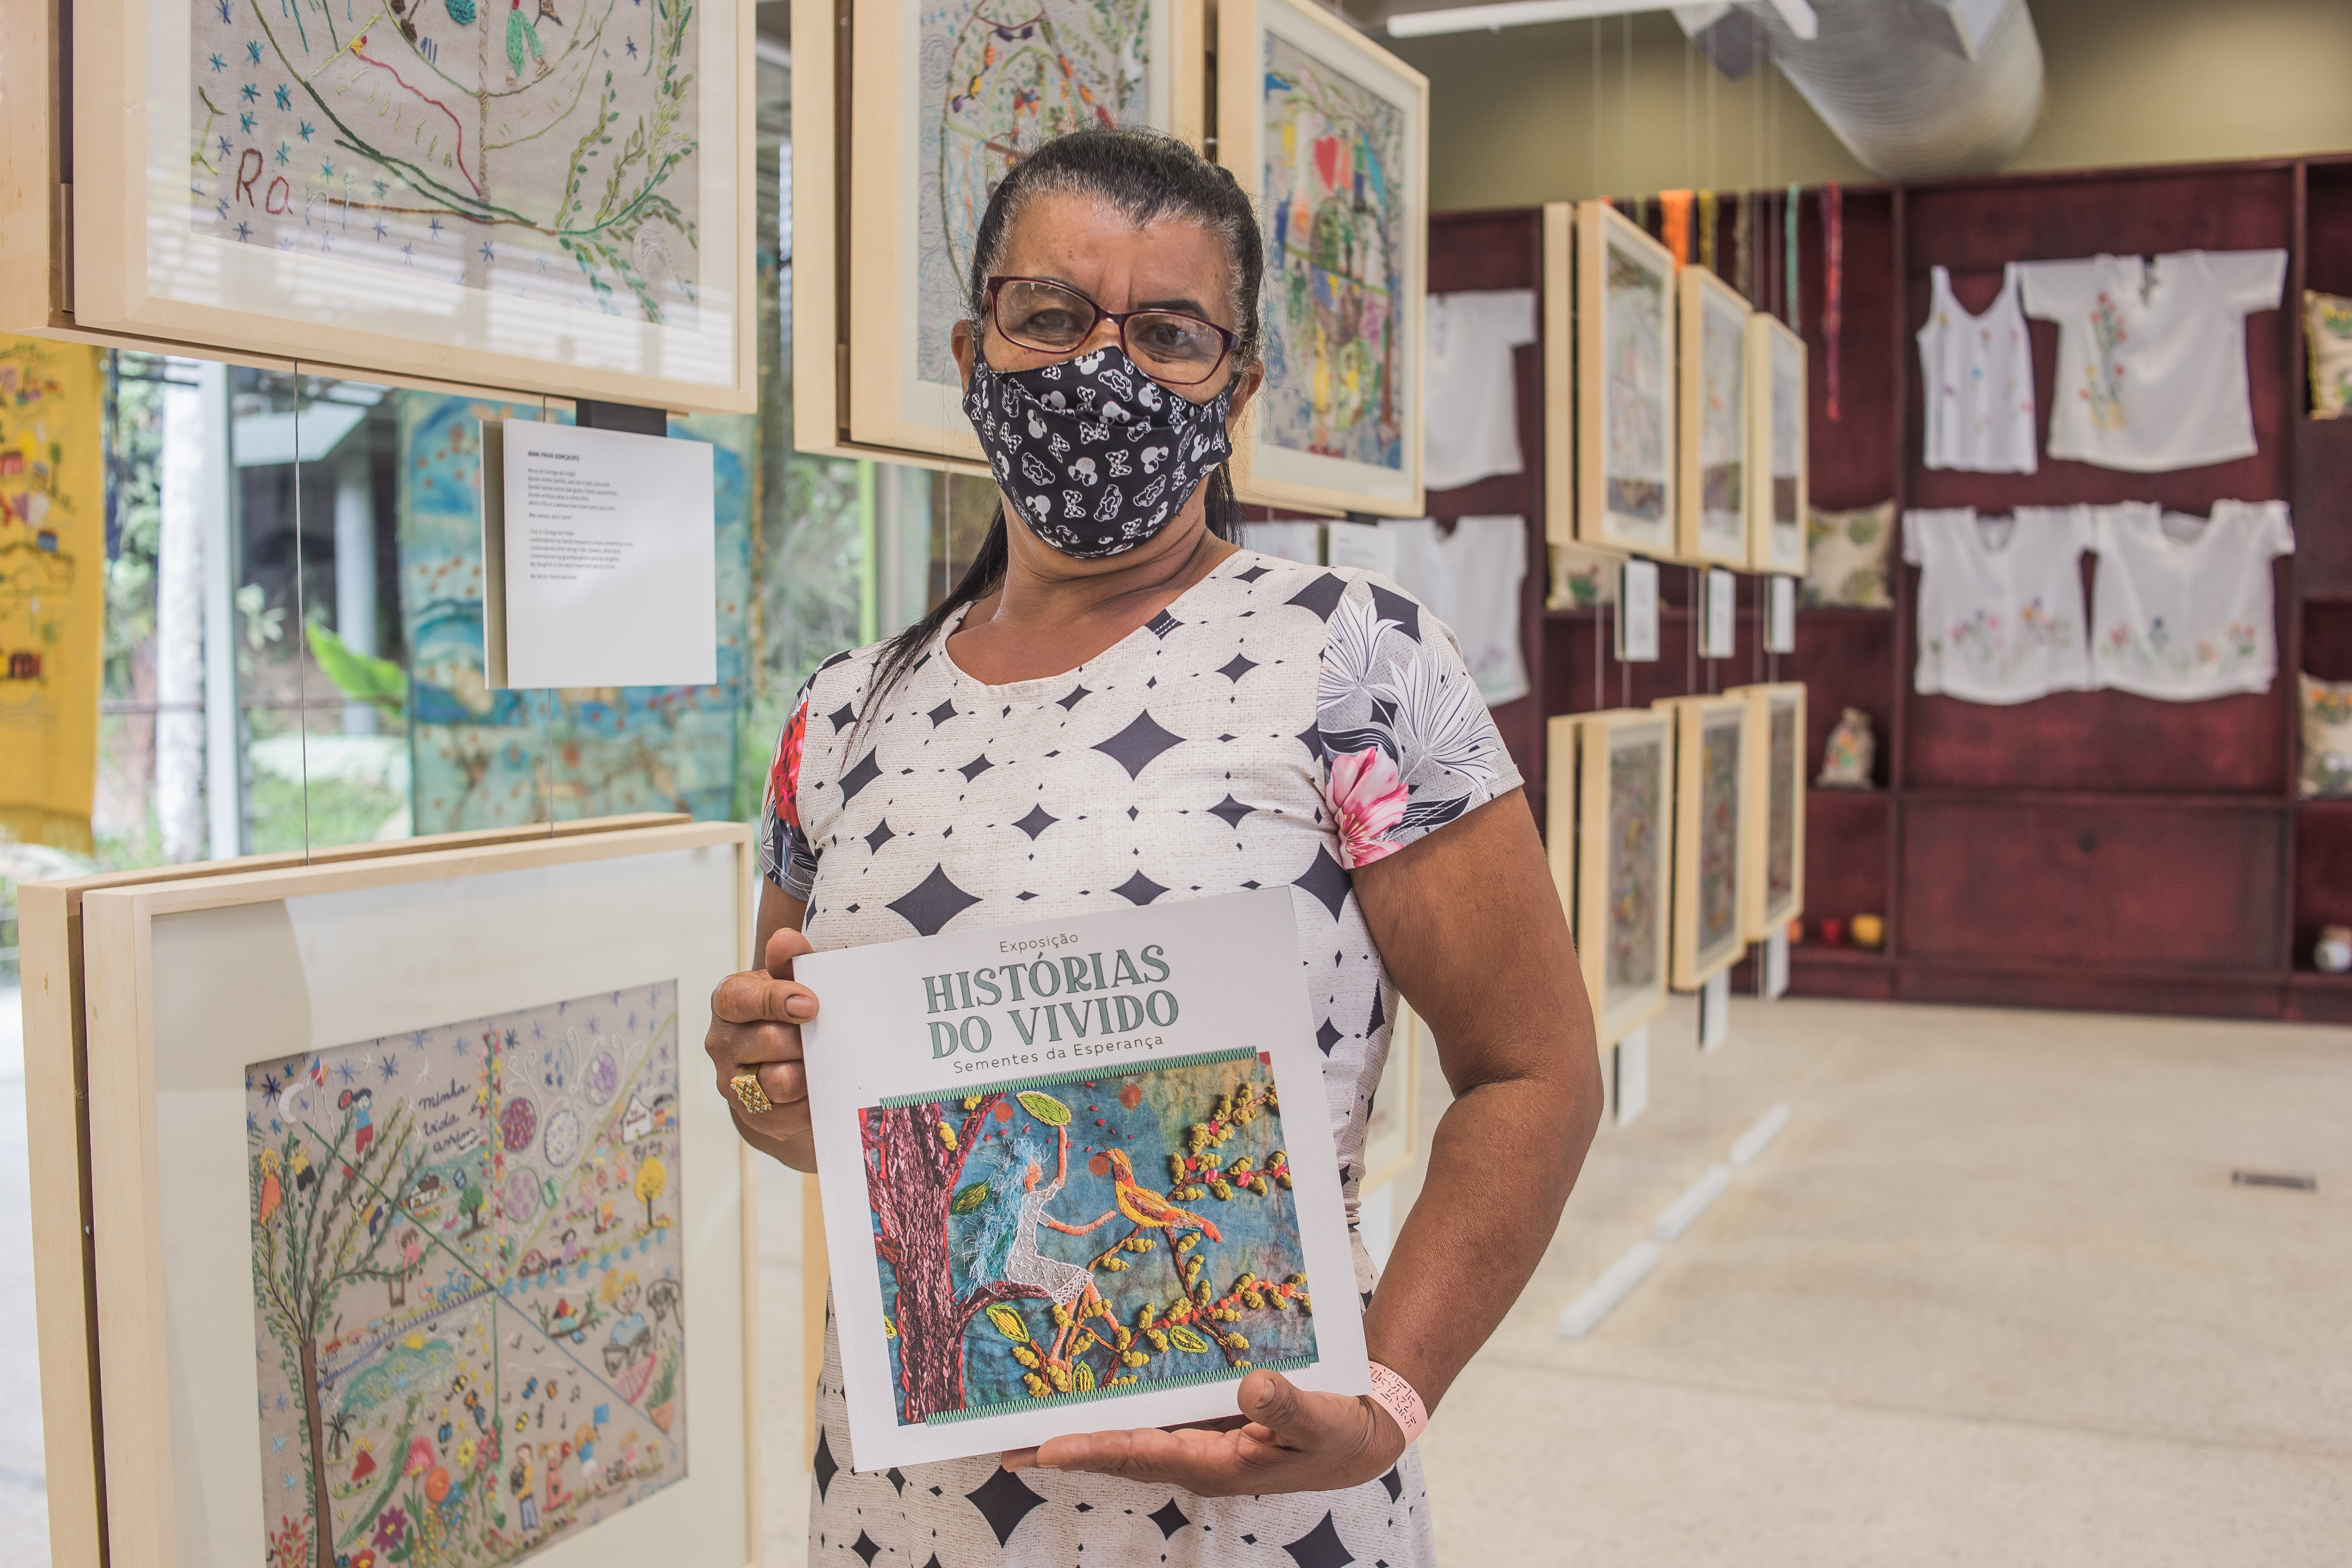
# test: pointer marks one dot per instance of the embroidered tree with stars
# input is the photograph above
(312, 1243)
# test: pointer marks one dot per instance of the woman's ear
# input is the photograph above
(1245, 386)
(960, 344)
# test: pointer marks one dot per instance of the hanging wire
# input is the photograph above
(1625, 89)
(1599, 181)
(301, 626)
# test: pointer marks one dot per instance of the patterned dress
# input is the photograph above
(1278, 723)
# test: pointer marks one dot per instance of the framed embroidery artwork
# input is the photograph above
(1330, 134)
(1773, 836)
(944, 96)
(422, 1132)
(1624, 385)
(553, 198)
(1609, 836)
(1711, 493)
(1712, 740)
(1776, 460)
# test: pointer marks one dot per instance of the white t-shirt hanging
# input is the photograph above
(2000, 601)
(1978, 376)
(1470, 579)
(2184, 602)
(2152, 355)
(1470, 415)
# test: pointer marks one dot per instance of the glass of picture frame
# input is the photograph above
(1609, 834)
(1711, 511)
(419, 1124)
(1712, 743)
(1772, 886)
(1625, 401)
(473, 196)
(1329, 135)
(1778, 462)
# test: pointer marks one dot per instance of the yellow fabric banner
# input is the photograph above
(52, 588)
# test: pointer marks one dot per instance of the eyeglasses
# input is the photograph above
(1174, 349)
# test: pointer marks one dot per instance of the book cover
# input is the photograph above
(1065, 1187)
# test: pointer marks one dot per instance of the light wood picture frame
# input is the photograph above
(1626, 410)
(943, 96)
(1778, 466)
(1328, 134)
(57, 1146)
(1711, 448)
(1558, 297)
(1772, 838)
(1711, 748)
(1609, 834)
(282, 184)
(278, 965)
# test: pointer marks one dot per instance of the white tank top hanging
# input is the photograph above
(1978, 376)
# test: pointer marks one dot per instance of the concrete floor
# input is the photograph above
(1990, 1299)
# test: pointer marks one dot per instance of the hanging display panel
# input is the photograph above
(1624, 385)
(1712, 741)
(553, 198)
(1772, 838)
(946, 97)
(1609, 833)
(1712, 484)
(423, 1133)
(1330, 134)
(1777, 493)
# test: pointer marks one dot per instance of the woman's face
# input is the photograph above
(1172, 263)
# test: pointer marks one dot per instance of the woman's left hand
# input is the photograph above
(1290, 1439)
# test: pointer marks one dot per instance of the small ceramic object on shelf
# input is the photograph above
(1867, 930)
(1832, 932)
(1796, 929)
(2333, 952)
(1850, 754)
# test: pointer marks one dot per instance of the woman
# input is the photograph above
(1008, 1243)
(1117, 706)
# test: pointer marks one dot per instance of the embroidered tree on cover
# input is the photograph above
(914, 1157)
(308, 1245)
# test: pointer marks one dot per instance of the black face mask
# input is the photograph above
(1098, 456)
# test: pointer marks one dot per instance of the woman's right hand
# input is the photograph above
(755, 1025)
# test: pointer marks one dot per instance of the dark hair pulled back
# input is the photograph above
(1144, 176)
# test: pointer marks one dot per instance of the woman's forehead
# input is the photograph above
(1090, 244)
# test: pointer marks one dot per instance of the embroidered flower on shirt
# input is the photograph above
(2103, 377)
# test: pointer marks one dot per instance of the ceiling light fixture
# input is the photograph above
(1797, 13)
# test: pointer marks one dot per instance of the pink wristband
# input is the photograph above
(1396, 1396)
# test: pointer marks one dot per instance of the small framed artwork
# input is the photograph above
(551, 198)
(1711, 758)
(945, 97)
(424, 1132)
(1773, 836)
(1330, 134)
(1776, 447)
(1711, 512)
(1609, 836)
(1625, 407)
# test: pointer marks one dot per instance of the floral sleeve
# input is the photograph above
(1408, 745)
(786, 856)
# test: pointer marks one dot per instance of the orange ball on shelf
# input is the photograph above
(1868, 930)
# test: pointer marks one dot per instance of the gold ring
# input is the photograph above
(749, 1095)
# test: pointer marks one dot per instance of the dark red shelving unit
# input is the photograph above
(2089, 850)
